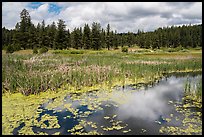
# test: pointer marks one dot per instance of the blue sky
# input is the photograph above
(52, 6)
(55, 8)
(122, 16)
(35, 5)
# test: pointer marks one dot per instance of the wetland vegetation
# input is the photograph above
(68, 91)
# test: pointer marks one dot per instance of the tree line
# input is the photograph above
(171, 37)
(55, 36)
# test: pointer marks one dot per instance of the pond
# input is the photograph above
(129, 109)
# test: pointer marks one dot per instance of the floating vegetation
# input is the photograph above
(57, 133)
(106, 117)
(191, 120)
(114, 116)
(82, 106)
(170, 102)
(126, 131)
(156, 121)
(78, 127)
(143, 130)
(168, 119)
(52, 122)
(83, 86)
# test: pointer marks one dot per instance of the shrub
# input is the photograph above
(77, 52)
(184, 50)
(143, 51)
(43, 50)
(171, 50)
(125, 49)
(10, 49)
(198, 48)
(115, 48)
(16, 47)
(35, 50)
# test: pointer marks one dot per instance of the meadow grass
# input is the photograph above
(29, 73)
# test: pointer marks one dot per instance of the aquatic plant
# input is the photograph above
(193, 88)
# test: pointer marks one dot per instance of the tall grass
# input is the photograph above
(199, 89)
(31, 74)
(193, 88)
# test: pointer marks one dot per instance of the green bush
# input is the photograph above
(10, 49)
(68, 52)
(35, 50)
(184, 50)
(198, 48)
(43, 50)
(143, 51)
(115, 48)
(125, 49)
(16, 47)
(77, 52)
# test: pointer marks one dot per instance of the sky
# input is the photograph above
(122, 16)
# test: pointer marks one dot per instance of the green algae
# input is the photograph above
(18, 109)
(52, 122)
(143, 130)
(126, 131)
(106, 117)
(191, 121)
(79, 129)
(56, 133)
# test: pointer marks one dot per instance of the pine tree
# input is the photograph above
(25, 21)
(80, 39)
(25, 25)
(103, 39)
(51, 32)
(76, 38)
(43, 42)
(108, 37)
(68, 39)
(87, 37)
(96, 40)
(60, 39)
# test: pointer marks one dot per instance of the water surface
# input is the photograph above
(124, 110)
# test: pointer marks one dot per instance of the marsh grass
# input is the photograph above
(199, 88)
(31, 74)
(193, 88)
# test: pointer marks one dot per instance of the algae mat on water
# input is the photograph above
(67, 112)
(21, 114)
(18, 109)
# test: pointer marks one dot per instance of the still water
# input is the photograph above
(124, 110)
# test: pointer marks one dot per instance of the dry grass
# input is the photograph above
(20, 52)
(148, 62)
(180, 56)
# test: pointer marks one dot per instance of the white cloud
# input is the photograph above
(194, 12)
(148, 104)
(11, 13)
(42, 13)
(122, 16)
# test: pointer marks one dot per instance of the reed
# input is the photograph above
(31, 74)
(193, 88)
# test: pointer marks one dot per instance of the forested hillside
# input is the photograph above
(55, 36)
